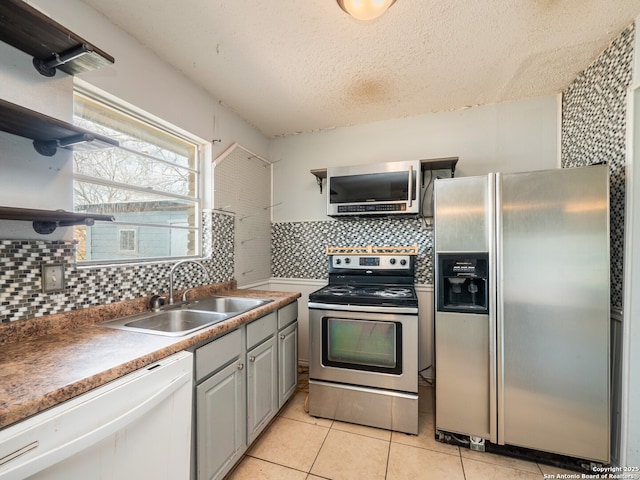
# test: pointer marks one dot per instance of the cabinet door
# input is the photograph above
(262, 387)
(287, 362)
(220, 422)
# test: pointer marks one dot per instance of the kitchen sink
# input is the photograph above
(186, 318)
(228, 305)
(171, 323)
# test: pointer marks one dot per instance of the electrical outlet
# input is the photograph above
(52, 278)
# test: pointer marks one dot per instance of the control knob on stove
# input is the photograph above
(347, 260)
(403, 262)
(392, 261)
(338, 261)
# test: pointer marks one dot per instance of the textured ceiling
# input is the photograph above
(304, 65)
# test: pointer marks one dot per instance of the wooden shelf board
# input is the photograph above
(447, 163)
(320, 173)
(36, 215)
(373, 250)
(26, 123)
(31, 31)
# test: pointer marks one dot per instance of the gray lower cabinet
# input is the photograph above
(220, 412)
(262, 387)
(287, 362)
(287, 352)
(220, 422)
(241, 380)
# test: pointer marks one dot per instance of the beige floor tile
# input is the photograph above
(425, 438)
(501, 460)
(347, 456)
(407, 462)
(257, 469)
(290, 443)
(314, 477)
(295, 410)
(475, 470)
(425, 399)
(378, 433)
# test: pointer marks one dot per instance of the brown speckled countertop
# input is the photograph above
(45, 361)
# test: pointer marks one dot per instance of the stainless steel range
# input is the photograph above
(363, 340)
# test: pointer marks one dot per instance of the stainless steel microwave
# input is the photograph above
(380, 189)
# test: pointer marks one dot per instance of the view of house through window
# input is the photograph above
(149, 184)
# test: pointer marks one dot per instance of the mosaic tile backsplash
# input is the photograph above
(298, 248)
(21, 293)
(594, 109)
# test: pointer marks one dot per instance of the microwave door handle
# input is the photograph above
(410, 189)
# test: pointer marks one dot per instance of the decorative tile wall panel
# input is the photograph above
(594, 130)
(21, 293)
(299, 247)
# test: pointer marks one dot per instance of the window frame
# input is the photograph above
(138, 115)
(135, 240)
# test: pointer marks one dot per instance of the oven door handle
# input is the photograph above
(363, 308)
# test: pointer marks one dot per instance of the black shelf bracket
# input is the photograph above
(46, 227)
(48, 67)
(320, 174)
(82, 141)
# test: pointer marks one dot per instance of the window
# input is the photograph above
(127, 239)
(150, 184)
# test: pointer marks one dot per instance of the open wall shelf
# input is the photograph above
(48, 133)
(46, 221)
(51, 45)
(448, 163)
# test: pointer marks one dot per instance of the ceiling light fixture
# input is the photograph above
(365, 9)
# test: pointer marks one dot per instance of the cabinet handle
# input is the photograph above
(282, 336)
(240, 366)
(252, 359)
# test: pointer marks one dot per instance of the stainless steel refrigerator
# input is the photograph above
(522, 310)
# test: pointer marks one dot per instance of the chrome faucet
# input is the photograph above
(172, 272)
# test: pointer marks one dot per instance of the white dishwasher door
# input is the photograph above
(136, 427)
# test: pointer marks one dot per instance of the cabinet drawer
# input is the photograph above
(260, 329)
(287, 314)
(218, 353)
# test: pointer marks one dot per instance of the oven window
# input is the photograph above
(370, 345)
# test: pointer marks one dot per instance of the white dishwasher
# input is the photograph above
(135, 427)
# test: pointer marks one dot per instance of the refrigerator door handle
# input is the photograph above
(491, 229)
(499, 311)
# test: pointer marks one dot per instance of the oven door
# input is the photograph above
(368, 349)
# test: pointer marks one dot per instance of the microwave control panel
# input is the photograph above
(378, 207)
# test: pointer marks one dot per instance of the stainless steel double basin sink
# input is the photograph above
(186, 318)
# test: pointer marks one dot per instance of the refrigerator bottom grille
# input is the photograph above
(555, 460)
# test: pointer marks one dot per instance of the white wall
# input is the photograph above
(137, 77)
(27, 179)
(630, 435)
(508, 137)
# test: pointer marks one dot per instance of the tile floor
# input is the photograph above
(297, 446)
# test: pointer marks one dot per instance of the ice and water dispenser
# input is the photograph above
(463, 282)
